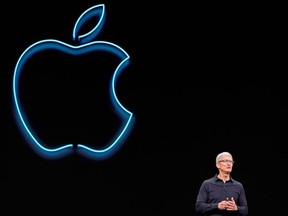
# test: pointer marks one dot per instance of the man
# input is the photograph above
(222, 195)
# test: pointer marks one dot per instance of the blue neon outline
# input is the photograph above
(127, 116)
(88, 14)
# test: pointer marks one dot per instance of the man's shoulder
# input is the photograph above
(210, 180)
(236, 182)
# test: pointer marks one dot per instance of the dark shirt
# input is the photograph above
(214, 190)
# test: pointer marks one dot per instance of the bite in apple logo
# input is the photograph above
(86, 45)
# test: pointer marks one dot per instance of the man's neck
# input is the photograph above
(224, 176)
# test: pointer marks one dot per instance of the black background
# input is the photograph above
(204, 78)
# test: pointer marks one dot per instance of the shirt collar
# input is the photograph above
(218, 179)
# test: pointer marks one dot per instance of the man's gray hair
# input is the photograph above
(222, 154)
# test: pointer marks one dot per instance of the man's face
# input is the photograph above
(225, 164)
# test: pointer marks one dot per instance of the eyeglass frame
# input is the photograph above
(226, 161)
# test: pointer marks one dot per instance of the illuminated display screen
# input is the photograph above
(124, 105)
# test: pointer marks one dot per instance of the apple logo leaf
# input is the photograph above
(98, 10)
(87, 45)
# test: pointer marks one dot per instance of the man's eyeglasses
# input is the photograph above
(227, 161)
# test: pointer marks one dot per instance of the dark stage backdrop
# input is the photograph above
(203, 78)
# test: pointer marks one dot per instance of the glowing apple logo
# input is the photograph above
(86, 46)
